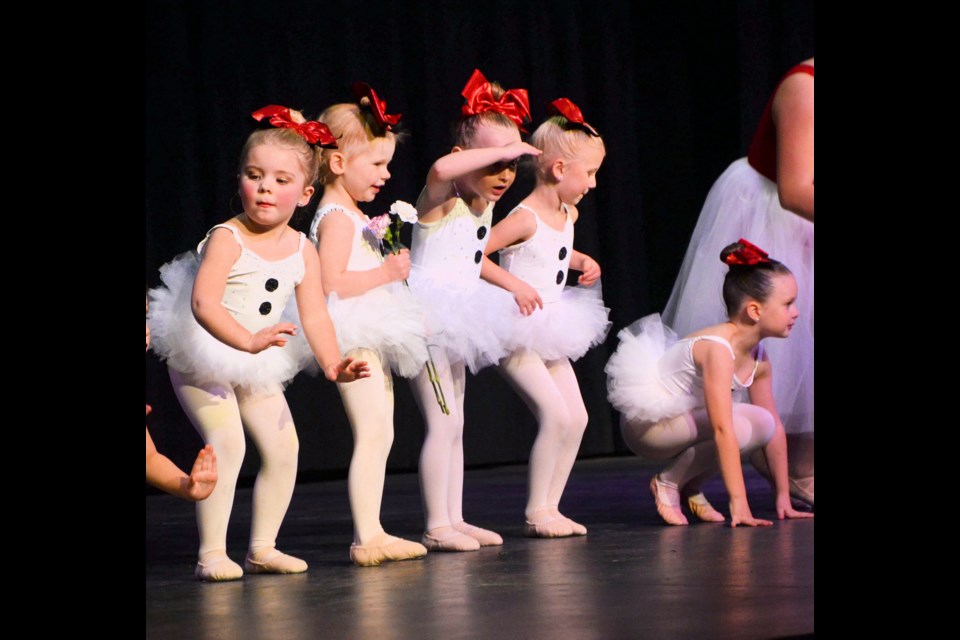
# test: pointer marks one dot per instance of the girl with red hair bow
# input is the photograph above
(676, 397)
(467, 317)
(767, 196)
(535, 241)
(218, 322)
(376, 317)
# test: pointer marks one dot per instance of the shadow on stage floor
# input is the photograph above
(631, 577)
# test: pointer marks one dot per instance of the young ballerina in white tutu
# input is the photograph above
(676, 397)
(375, 315)
(535, 241)
(217, 322)
(768, 197)
(468, 318)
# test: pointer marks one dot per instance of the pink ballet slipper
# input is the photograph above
(702, 509)
(578, 529)
(802, 489)
(218, 569)
(385, 548)
(485, 537)
(667, 497)
(448, 539)
(273, 561)
(547, 525)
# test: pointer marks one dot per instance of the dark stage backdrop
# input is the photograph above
(676, 89)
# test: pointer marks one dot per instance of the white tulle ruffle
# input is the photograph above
(177, 337)
(470, 318)
(567, 328)
(633, 380)
(387, 320)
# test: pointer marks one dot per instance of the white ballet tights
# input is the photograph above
(689, 440)
(369, 406)
(441, 459)
(550, 390)
(220, 414)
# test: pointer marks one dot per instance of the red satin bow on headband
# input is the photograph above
(571, 112)
(747, 255)
(312, 131)
(377, 106)
(514, 103)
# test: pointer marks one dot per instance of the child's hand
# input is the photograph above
(271, 336)
(516, 149)
(785, 509)
(591, 272)
(742, 515)
(347, 370)
(527, 298)
(203, 476)
(397, 265)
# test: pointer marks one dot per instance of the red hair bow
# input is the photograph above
(514, 103)
(570, 111)
(747, 255)
(377, 106)
(312, 131)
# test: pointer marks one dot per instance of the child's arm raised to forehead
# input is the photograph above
(317, 326)
(775, 451)
(336, 242)
(460, 162)
(793, 118)
(219, 254)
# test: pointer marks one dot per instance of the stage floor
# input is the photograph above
(631, 577)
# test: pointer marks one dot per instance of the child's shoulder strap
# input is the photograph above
(716, 339)
(519, 206)
(222, 225)
(322, 213)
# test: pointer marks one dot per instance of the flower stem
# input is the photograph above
(434, 378)
(435, 381)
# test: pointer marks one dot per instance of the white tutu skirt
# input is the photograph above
(633, 380)
(471, 319)
(387, 320)
(177, 337)
(744, 204)
(567, 328)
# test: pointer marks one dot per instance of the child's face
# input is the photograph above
(366, 172)
(272, 184)
(490, 183)
(580, 174)
(779, 312)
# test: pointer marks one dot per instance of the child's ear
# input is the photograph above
(456, 148)
(307, 194)
(753, 310)
(337, 163)
(557, 169)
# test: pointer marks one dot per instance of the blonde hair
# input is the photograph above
(307, 154)
(557, 137)
(466, 127)
(354, 128)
